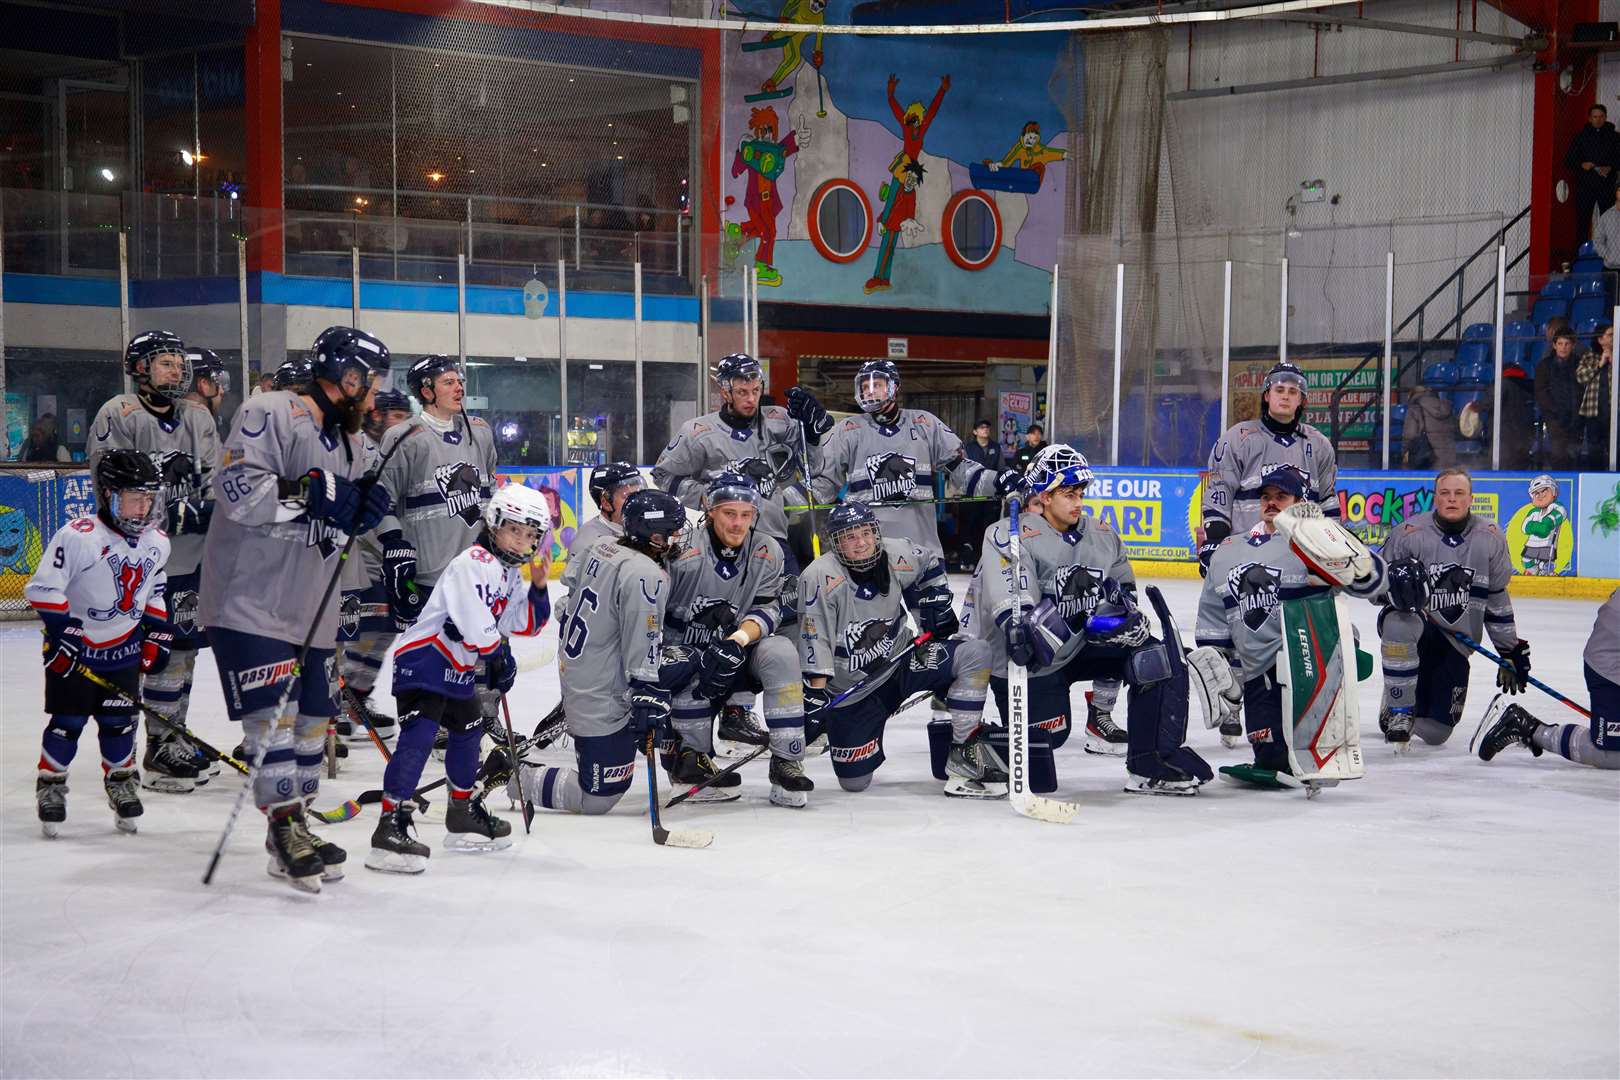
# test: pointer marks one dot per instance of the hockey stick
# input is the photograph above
(511, 750)
(804, 450)
(1023, 800)
(1500, 662)
(352, 701)
(942, 500)
(687, 838)
(366, 483)
(152, 714)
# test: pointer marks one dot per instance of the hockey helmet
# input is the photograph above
(145, 348)
(869, 377)
(119, 474)
(609, 478)
(515, 504)
(1058, 466)
(421, 374)
(737, 366)
(845, 528)
(1544, 482)
(293, 375)
(340, 349)
(655, 524)
(206, 364)
(730, 486)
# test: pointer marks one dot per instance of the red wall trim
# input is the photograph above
(262, 92)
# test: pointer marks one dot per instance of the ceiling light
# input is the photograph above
(107, 175)
(185, 156)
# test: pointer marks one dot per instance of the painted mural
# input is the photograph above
(857, 174)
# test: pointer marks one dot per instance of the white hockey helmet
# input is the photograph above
(516, 504)
(1544, 482)
(1056, 467)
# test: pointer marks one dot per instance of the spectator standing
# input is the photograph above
(1592, 157)
(1429, 436)
(975, 518)
(1593, 375)
(1034, 443)
(1606, 233)
(1559, 398)
(1518, 416)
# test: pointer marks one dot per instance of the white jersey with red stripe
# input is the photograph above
(477, 601)
(106, 581)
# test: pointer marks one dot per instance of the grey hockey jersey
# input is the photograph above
(364, 565)
(710, 595)
(1469, 573)
(1068, 566)
(1242, 456)
(592, 532)
(1603, 647)
(185, 446)
(845, 629)
(612, 634)
(439, 481)
(265, 563)
(1240, 609)
(707, 446)
(897, 464)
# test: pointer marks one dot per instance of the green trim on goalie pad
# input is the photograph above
(1255, 776)
(1321, 714)
(1364, 665)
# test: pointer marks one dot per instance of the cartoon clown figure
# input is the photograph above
(763, 159)
(914, 119)
(899, 217)
(1028, 153)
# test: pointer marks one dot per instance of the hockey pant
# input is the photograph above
(772, 669)
(168, 692)
(960, 668)
(254, 672)
(1049, 691)
(1423, 672)
(1597, 745)
(71, 700)
(421, 714)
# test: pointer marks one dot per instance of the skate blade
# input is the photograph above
(125, 825)
(725, 749)
(716, 795)
(51, 829)
(1136, 786)
(473, 842)
(793, 800)
(1492, 711)
(170, 785)
(310, 884)
(328, 873)
(395, 862)
(961, 787)
(1401, 747)
(1103, 747)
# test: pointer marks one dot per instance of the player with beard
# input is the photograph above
(1240, 612)
(1251, 448)
(1448, 570)
(182, 439)
(764, 443)
(854, 603)
(890, 456)
(289, 495)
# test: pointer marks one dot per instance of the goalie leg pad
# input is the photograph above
(1156, 709)
(1210, 675)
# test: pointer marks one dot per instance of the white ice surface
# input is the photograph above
(1440, 917)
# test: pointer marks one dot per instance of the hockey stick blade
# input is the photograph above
(338, 814)
(685, 838)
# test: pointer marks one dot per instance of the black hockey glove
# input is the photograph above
(935, 613)
(816, 698)
(63, 646)
(189, 516)
(1513, 679)
(1020, 649)
(803, 407)
(156, 644)
(1214, 533)
(649, 710)
(718, 670)
(399, 578)
(1009, 482)
(374, 506)
(500, 668)
(1409, 585)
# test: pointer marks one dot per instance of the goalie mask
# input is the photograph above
(1057, 467)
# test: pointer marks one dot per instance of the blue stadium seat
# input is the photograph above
(1586, 249)
(1442, 373)
(1552, 303)
(1591, 302)
(1520, 328)
(1475, 371)
(1587, 267)
(1480, 331)
(1587, 328)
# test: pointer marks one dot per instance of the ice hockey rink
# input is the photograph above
(1439, 917)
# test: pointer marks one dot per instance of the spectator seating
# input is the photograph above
(1480, 331)
(1587, 260)
(1586, 329)
(1519, 345)
(1553, 301)
(1591, 302)
(1442, 374)
(1474, 364)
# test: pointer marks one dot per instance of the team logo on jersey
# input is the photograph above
(868, 642)
(323, 537)
(458, 487)
(1254, 586)
(930, 656)
(893, 476)
(711, 620)
(179, 473)
(1448, 597)
(760, 472)
(129, 575)
(183, 611)
(1077, 589)
(349, 617)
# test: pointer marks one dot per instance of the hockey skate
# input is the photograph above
(169, 765)
(692, 767)
(1396, 725)
(975, 770)
(551, 733)
(50, 792)
(789, 786)
(394, 847)
(1103, 736)
(469, 826)
(123, 788)
(332, 856)
(1273, 779)
(352, 727)
(1502, 726)
(1142, 785)
(738, 731)
(1232, 734)
(292, 853)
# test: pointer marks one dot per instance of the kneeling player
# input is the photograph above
(1597, 746)
(617, 676)
(853, 603)
(1448, 570)
(728, 569)
(478, 600)
(1240, 613)
(99, 592)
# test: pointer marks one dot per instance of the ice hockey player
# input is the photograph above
(889, 457)
(609, 486)
(1251, 448)
(210, 382)
(365, 624)
(1448, 570)
(617, 675)
(1596, 744)
(724, 603)
(183, 441)
(854, 601)
(99, 592)
(1240, 608)
(1071, 563)
(294, 374)
(1546, 519)
(764, 442)
(480, 599)
(290, 493)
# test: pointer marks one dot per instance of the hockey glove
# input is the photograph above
(500, 668)
(157, 644)
(63, 647)
(1020, 649)
(189, 516)
(331, 498)
(1409, 585)
(816, 698)
(935, 613)
(649, 709)
(1513, 679)
(399, 578)
(1009, 482)
(375, 505)
(718, 670)
(803, 407)
(1214, 533)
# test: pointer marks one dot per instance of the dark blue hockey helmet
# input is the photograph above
(118, 473)
(384, 402)
(609, 478)
(655, 524)
(732, 485)
(872, 375)
(206, 364)
(419, 378)
(340, 349)
(737, 366)
(1285, 478)
(295, 374)
(848, 526)
(145, 348)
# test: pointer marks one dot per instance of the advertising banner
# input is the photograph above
(1597, 525)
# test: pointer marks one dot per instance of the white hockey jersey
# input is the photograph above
(185, 447)
(104, 580)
